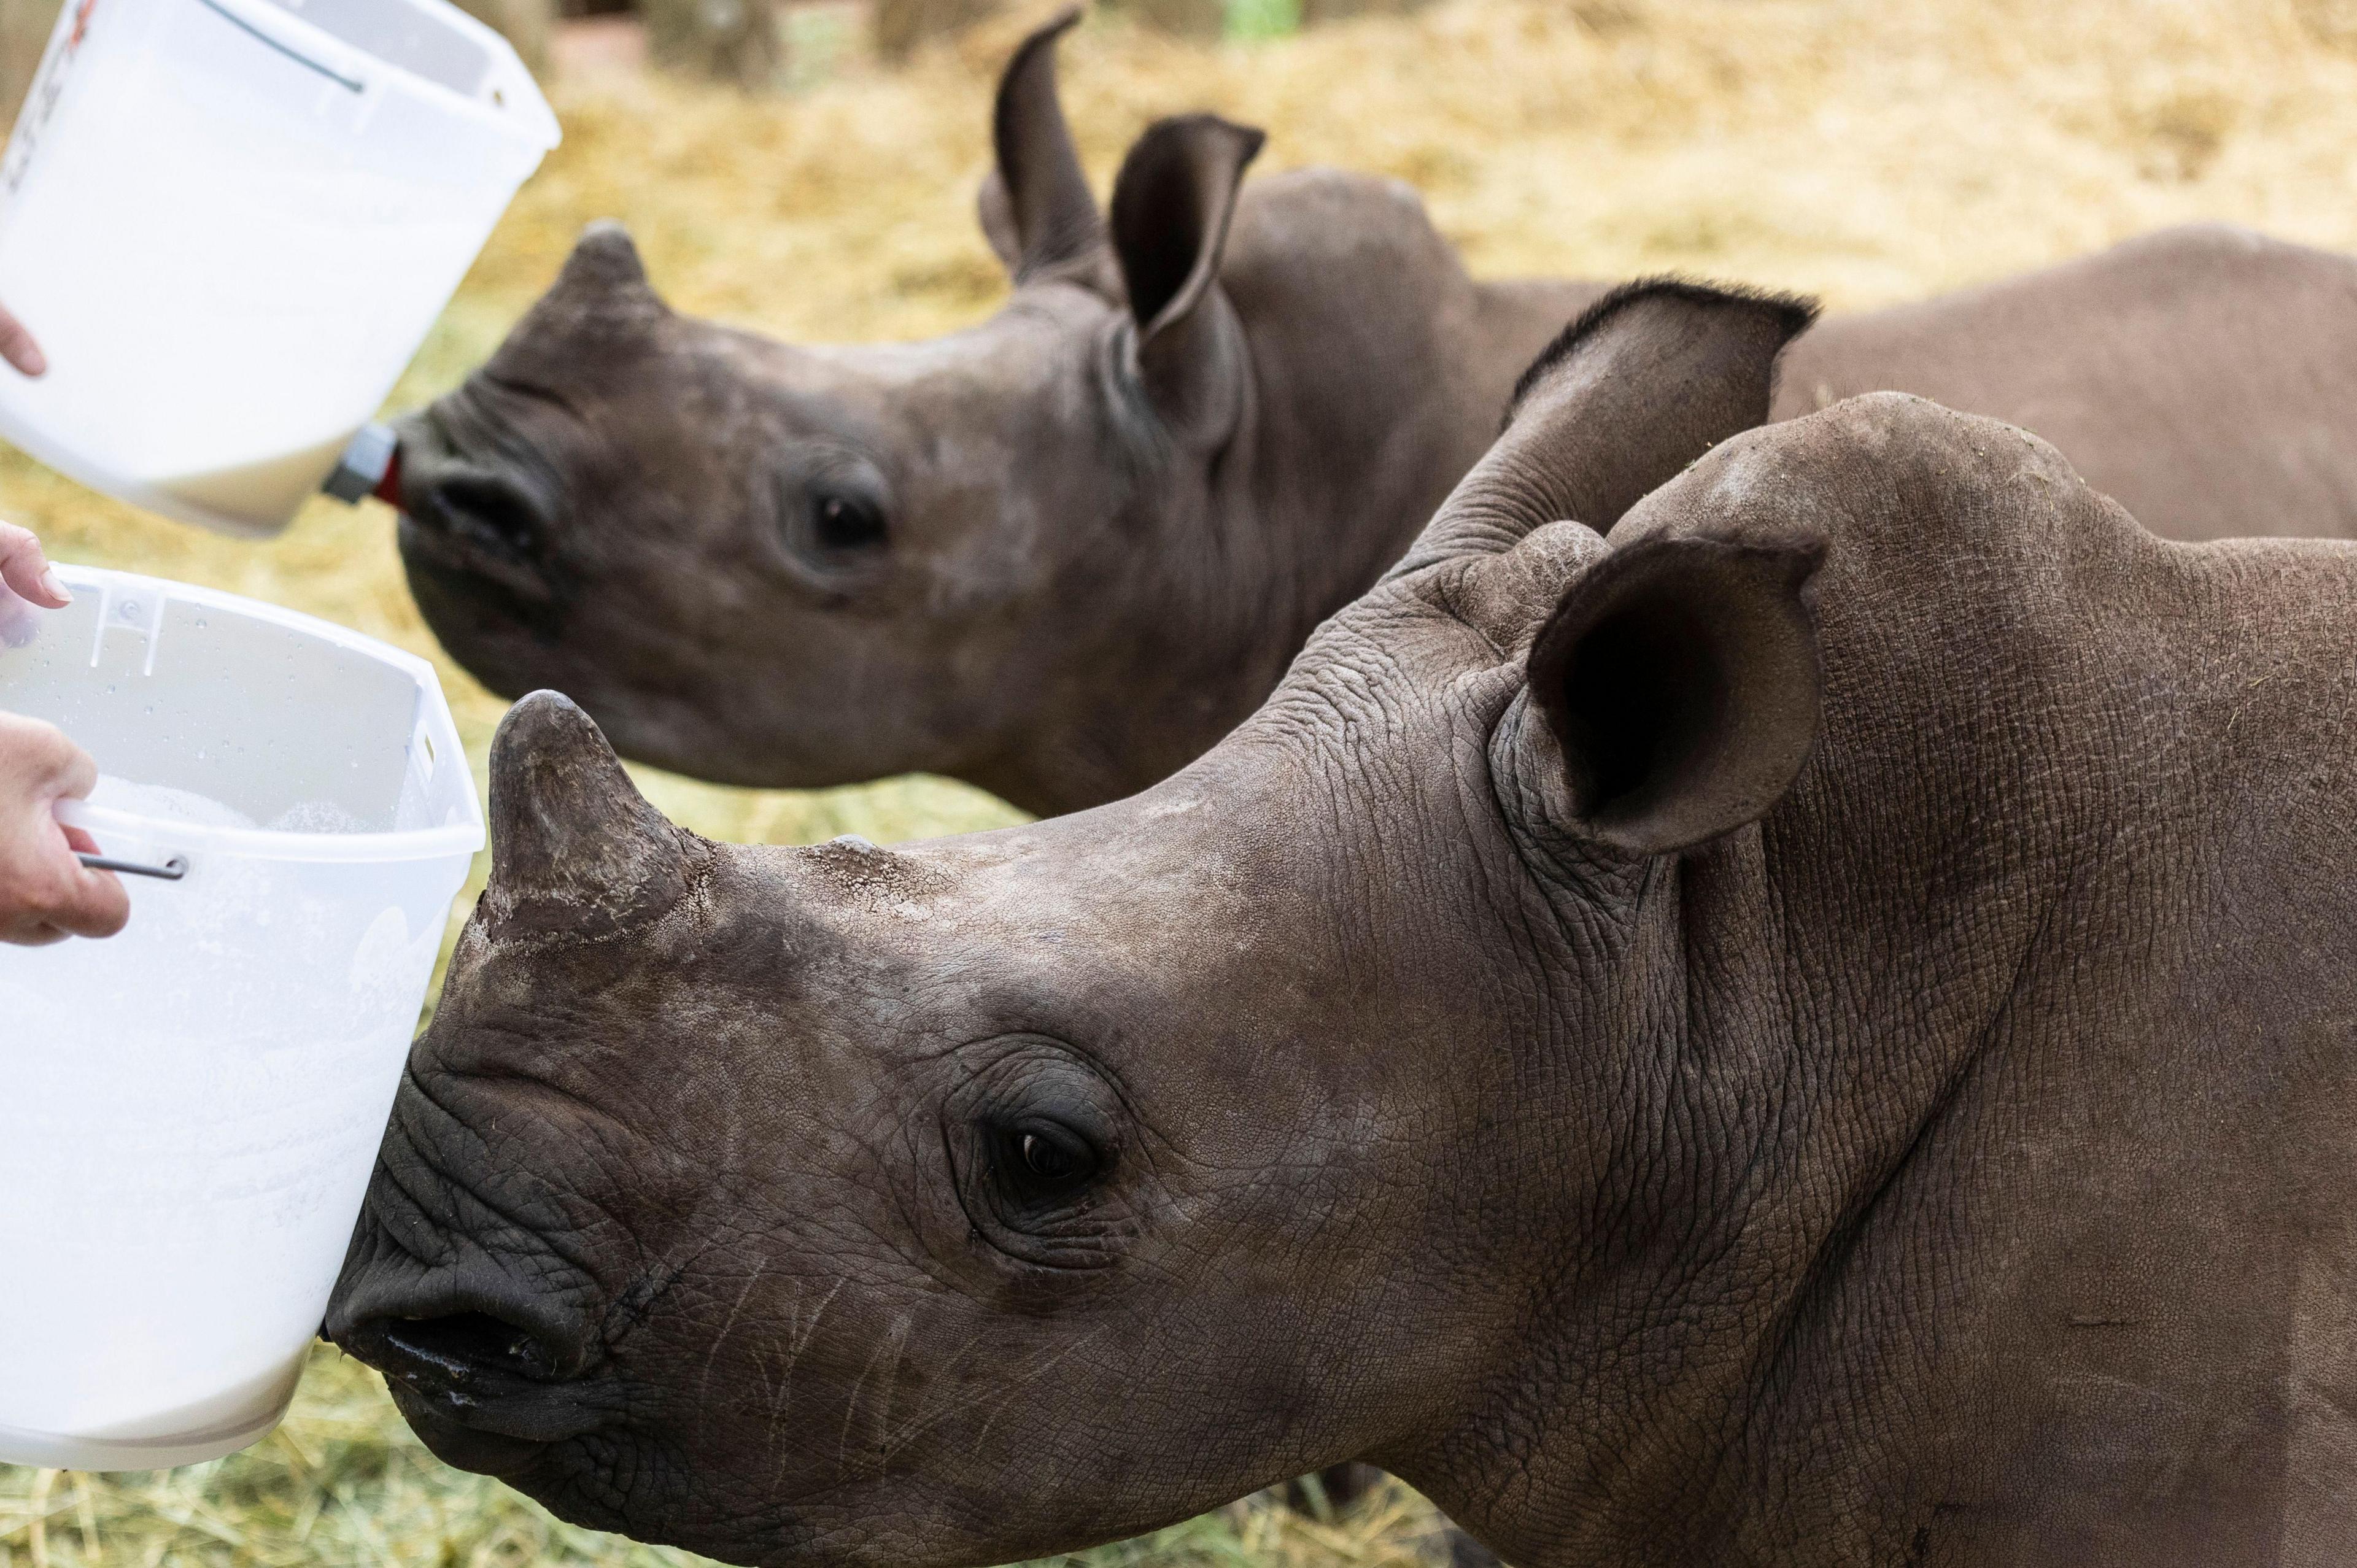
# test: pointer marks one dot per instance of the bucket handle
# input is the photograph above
(350, 84)
(171, 870)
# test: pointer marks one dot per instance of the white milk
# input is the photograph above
(162, 803)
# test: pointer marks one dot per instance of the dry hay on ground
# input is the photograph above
(343, 1484)
(1870, 150)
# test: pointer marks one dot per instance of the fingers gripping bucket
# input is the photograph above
(189, 1111)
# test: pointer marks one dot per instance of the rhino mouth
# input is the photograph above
(482, 531)
(482, 1386)
(503, 619)
(480, 518)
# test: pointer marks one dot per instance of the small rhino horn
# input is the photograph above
(575, 849)
(604, 264)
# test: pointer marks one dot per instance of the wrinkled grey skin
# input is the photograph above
(1818, 1030)
(1103, 521)
(1057, 555)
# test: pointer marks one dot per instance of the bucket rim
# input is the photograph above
(27, 436)
(464, 837)
(530, 121)
(263, 844)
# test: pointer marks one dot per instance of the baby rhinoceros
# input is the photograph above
(1819, 1029)
(1056, 554)
(1062, 552)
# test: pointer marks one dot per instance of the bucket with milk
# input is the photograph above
(231, 223)
(189, 1111)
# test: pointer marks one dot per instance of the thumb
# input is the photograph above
(16, 346)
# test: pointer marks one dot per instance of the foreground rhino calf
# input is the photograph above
(1059, 555)
(1819, 1030)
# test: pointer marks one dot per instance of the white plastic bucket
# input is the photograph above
(231, 223)
(189, 1111)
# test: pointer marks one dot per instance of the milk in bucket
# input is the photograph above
(189, 1111)
(231, 223)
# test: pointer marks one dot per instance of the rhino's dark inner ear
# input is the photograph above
(995, 212)
(1172, 206)
(1680, 679)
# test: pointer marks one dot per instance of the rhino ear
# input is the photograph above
(1679, 681)
(1647, 380)
(1036, 207)
(575, 849)
(995, 212)
(1171, 208)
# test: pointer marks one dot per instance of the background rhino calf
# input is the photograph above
(845, 563)
(1818, 1029)
(1060, 554)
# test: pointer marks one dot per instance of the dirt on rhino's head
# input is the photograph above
(982, 1198)
(1053, 553)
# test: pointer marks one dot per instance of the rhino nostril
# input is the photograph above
(461, 1344)
(488, 512)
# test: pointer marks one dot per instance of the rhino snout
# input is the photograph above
(488, 1356)
(478, 546)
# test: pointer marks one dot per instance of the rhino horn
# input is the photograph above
(604, 280)
(575, 849)
(1647, 380)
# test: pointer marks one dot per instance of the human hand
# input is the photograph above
(46, 895)
(16, 346)
(24, 570)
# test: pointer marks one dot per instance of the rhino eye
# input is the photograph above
(1034, 1133)
(1045, 1160)
(845, 522)
(1050, 1160)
